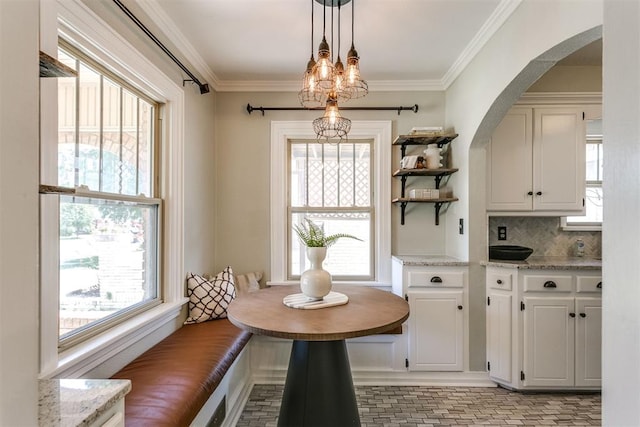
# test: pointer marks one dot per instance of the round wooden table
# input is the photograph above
(319, 388)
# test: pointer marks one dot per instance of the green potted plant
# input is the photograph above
(313, 236)
(315, 282)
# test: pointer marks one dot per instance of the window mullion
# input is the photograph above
(121, 136)
(101, 131)
(76, 158)
(353, 171)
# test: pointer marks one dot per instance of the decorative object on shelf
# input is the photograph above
(433, 157)
(439, 197)
(326, 82)
(315, 282)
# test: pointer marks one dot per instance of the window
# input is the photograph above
(592, 219)
(331, 185)
(108, 230)
(342, 187)
(110, 192)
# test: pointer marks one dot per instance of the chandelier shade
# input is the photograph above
(331, 125)
(326, 82)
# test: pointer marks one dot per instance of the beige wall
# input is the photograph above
(570, 79)
(242, 173)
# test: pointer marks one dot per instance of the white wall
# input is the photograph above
(516, 56)
(621, 230)
(19, 212)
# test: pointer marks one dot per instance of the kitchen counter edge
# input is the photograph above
(548, 263)
(429, 260)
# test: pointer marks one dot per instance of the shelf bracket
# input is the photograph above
(403, 180)
(403, 206)
(438, 206)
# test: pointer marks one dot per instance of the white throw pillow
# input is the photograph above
(209, 299)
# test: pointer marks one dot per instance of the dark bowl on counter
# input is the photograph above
(509, 252)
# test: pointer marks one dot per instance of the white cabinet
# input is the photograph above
(549, 335)
(436, 333)
(438, 317)
(536, 161)
(543, 328)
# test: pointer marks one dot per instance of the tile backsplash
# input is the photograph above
(544, 236)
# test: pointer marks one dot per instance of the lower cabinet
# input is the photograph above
(436, 334)
(437, 326)
(544, 328)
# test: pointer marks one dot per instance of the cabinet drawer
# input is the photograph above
(499, 280)
(589, 284)
(436, 279)
(547, 283)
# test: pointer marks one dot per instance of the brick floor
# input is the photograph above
(391, 406)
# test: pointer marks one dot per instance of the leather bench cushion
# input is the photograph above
(172, 380)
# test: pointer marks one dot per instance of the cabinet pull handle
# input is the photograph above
(530, 193)
(599, 285)
(436, 279)
(499, 282)
(459, 307)
(550, 284)
(572, 315)
(538, 193)
(583, 314)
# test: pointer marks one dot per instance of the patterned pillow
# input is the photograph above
(249, 282)
(209, 299)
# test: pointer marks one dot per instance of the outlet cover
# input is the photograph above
(502, 232)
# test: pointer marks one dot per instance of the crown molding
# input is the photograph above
(490, 27)
(294, 86)
(155, 12)
(564, 98)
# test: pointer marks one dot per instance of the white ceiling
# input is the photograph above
(265, 44)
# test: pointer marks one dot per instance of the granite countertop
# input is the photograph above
(549, 263)
(78, 402)
(430, 260)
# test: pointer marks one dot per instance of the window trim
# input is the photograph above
(82, 27)
(565, 225)
(380, 132)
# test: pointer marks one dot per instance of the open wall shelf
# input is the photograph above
(409, 140)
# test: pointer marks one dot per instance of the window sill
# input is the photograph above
(76, 361)
(380, 285)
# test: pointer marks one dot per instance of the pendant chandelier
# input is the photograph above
(325, 82)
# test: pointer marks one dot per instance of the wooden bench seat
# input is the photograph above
(171, 381)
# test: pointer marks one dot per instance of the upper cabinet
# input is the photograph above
(536, 161)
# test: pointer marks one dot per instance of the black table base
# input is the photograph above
(319, 388)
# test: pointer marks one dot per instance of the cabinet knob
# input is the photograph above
(539, 193)
(572, 315)
(436, 279)
(530, 193)
(599, 285)
(583, 314)
(550, 284)
(499, 282)
(459, 307)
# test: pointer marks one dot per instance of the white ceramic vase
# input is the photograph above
(315, 283)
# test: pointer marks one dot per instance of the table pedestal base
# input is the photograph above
(319, 388)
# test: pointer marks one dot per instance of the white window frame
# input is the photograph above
(83, 28)
(380, 133)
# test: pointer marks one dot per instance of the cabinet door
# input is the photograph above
(436, 331)
(509, 163)
(588, 342)
(499, 335)
(549, 331)
(559, 148)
